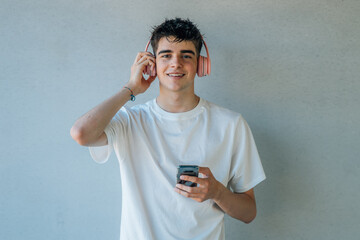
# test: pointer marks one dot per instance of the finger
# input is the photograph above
(149, 54)
(198, 199)
(146, 64)
(142, 65)
(188, 189)
(137, 58)
(144, 58)
(192, 179)
(186, 194)
(142, 54)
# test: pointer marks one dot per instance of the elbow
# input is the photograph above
(78, 135)
(247, 217)
(250, 218)
(248, 221)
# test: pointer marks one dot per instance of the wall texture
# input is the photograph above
(290, 67)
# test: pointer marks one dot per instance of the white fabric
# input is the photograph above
(150, 143)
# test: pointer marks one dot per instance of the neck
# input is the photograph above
(176, 103)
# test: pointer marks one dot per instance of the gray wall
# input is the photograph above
(290, 67)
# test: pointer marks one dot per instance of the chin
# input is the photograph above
(175, 85)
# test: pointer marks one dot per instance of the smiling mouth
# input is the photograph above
(175, 75)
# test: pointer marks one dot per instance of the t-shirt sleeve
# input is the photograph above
(247, 170)
(114, 132)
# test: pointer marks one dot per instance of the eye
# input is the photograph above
(187, 56)
(165, 56)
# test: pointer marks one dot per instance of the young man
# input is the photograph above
(177, 128)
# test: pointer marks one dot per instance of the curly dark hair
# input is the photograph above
(181, 29)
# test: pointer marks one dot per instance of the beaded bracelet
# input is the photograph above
(132, 96)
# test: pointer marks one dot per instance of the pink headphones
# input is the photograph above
(203, 69)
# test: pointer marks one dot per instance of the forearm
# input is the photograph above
(238, 205)
(92, 124)
(89, 127)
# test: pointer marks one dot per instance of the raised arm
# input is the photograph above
(88, 130)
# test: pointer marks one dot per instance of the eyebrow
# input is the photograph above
(182, 51)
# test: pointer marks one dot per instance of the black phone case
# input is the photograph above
(190, 170)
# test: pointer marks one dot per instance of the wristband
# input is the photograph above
(132, 96)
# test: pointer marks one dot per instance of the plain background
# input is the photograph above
(291, 68)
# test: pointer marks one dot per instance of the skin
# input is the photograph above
(176, 95)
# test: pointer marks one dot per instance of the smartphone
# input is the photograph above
(190, 170)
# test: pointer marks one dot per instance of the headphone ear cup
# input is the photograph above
(153, 73)
(200, 67)
(149, 71)
(204, 67)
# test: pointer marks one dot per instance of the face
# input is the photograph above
(176, 65)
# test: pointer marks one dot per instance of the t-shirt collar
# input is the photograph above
(181, 115)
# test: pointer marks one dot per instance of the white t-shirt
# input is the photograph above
(150, 143)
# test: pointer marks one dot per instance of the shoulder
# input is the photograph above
(135, 113)
(138, 109)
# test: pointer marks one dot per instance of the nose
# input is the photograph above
(176, 61)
